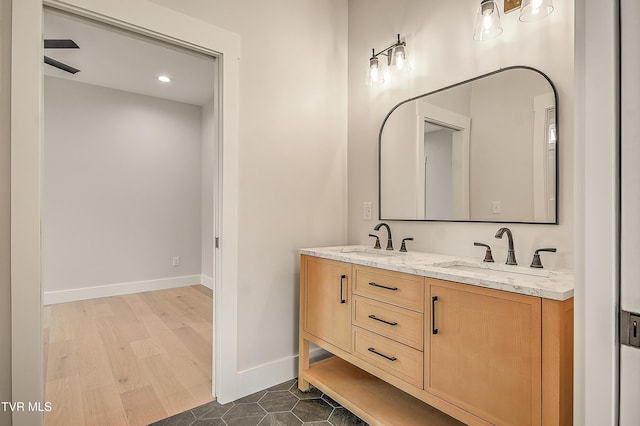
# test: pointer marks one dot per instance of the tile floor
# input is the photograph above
(280, 405)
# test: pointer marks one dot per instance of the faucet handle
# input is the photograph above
(377, 246)
(488, 257)
(536, 263)
(403, 247)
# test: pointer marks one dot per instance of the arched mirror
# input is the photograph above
(483, 150)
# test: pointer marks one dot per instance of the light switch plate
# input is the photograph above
(366, 210)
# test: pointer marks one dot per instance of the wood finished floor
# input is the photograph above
(128, 360)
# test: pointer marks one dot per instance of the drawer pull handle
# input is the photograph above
(373, 317)
(390, 358)
(383, 286)
(342, 278)
(434, 330)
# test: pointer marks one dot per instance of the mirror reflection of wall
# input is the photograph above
(501, 163)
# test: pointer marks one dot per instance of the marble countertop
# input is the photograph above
(556, 285)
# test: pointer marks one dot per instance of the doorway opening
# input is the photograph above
(129, 181)
(27, 98)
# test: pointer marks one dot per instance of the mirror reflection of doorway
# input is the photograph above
(443, 163)
(438, 170)
(551, 161)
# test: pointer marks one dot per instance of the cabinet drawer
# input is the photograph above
(395, 358)
(396, 323)
(391, 287)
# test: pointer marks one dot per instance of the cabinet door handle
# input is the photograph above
(434, 330)
(373, 317)
(342, 278)
(383, 286)
(390, 358)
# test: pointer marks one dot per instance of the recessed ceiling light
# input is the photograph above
(164, 79)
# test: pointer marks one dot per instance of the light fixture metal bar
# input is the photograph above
(386, 50)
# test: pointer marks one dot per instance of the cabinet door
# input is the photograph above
(485, 355)
(327, 310)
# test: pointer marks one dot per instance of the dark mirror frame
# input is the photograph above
(557, 124)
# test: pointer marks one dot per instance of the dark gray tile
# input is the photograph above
(311, 393)
(280, 419)
(283, 386)
(183, 419)
(330, 400)
(312, 410)
(211, 410)
(343, 417)
(276, 401)
(209, 422)
(281, 404)
(244, 415)
(254, 397)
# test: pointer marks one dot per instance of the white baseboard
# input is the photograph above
(72, 295)
(206, 281)
(272, 373)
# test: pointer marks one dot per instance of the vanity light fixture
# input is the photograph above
(488, 21)
(164, 78)
(488, 17)
(396, 59)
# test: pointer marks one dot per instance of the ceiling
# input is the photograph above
(117, 59)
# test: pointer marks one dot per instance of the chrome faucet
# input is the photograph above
(389, 240)
(511, 254)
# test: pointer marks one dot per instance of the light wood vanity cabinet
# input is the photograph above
(327, 301)
(485, 352)
(482, 356)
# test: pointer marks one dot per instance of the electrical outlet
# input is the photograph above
(176, 260)
(496, 207)
(366, 210)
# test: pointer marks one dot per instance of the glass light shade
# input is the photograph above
(398, 57)
(534, 10)
(374, 76)
(488, 21)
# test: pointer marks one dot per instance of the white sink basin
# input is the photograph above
(370, 252)
(497, 270)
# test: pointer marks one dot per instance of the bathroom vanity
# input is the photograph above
(483, 343)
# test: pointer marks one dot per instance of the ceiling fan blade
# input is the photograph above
(60, 65)
(64, 43)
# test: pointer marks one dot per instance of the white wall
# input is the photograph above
(442, 51)
(122, 189)
(5, 208)
(292, 161)
(596, 200)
